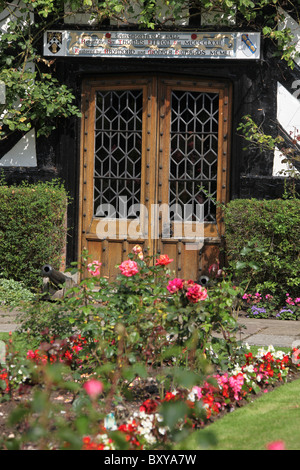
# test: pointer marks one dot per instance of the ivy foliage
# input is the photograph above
(34, 97)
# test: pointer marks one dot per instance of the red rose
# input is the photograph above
(163, 260)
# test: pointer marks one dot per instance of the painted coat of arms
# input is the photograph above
(54, 41)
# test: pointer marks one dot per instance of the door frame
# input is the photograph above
(152, 189)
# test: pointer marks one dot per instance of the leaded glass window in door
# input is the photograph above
(118, 150)
(194, 152)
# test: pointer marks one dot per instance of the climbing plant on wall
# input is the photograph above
(34, 97)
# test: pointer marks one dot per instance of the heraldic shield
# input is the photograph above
(54, 41)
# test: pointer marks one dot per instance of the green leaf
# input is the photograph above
(198, 440)
(173, 412)
(240, 265)
(253, 266)
(186, 378)
(119, 439)
(245, 251)
(82, 424)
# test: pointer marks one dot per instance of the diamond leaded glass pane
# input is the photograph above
(118, 146)
(193, 152)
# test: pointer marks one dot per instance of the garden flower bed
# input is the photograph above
(258, 306)
(132, 365)
(142, 426)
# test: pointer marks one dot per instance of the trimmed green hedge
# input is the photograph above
(262, 245)
(32, 230)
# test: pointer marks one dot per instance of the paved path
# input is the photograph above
(8, 320)
(282, 333)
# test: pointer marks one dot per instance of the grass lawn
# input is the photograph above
(271, 417)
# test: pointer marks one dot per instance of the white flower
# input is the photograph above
(162, 430)
(237, 370)
(279, 354)
(192, 395)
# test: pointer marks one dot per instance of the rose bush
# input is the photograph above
(156, 311)
(144, 324)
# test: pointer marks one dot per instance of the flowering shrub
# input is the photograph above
(155, 311)
(214, 271)
(224, 391)
(65, 351)
(143, 322)
(259, 306)
(267, 367)
(4, 382)
(194, 311)
(291, 301)
(255, 298)
(258, 312)
(286, 314)
(269, 261)
(102, 441)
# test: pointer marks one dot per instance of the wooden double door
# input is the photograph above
(154, 163)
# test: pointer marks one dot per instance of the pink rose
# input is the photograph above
(276, 445)
(93, 388)
(175, 285)
(195, 293)
(94, 268)
(129, 268)
(138, 251)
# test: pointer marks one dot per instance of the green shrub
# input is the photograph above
(14, 293)
(32, 230)
(262, 244)
(156, 319)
